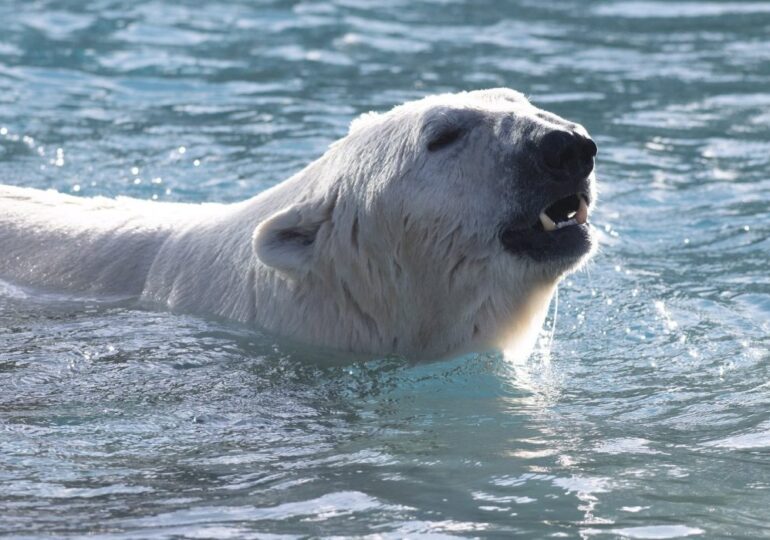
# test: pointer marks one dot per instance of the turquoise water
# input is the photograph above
(646, 416)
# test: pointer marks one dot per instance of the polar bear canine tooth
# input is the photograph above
(548, 223)
(581, 216)
(575, 217)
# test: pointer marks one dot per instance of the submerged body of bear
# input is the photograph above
(440, 227)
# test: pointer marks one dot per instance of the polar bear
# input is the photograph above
(440, 227)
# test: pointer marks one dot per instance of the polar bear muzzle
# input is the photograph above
(560, 231)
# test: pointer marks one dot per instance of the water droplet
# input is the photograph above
(59, 160)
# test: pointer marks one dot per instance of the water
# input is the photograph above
(648, 418)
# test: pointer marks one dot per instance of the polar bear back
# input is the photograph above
(82, 244)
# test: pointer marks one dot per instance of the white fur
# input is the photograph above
(378, 246)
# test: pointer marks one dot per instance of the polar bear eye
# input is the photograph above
(444, 138)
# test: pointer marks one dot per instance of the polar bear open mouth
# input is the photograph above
(559, 232)
(570, 210)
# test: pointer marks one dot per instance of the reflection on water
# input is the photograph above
(645, 415)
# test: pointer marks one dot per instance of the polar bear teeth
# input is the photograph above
(572, 210)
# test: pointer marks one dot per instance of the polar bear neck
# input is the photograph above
(520, 337)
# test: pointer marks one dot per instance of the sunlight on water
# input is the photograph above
(643, 411)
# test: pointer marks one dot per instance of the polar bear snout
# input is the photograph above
(558, 201)
(568, 154)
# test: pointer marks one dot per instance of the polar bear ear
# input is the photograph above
(284, 241)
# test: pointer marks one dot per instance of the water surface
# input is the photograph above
(648, 416)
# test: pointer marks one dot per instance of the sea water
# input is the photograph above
(645, 413)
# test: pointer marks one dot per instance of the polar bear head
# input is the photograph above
(439, 227)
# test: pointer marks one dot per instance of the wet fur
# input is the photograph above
(380, 246)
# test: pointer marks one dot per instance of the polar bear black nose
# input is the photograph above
(568, 152)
